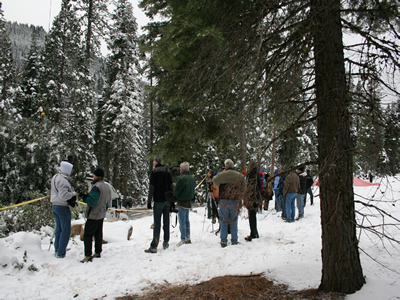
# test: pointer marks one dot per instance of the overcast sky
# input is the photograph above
(42, 12)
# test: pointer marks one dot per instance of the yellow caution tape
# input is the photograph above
(24, 203)
(201, 182)
(35, 200)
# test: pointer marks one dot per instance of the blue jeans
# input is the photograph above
(160, 209)
(184, 224)
(290, 206)
(228, 215)
(278, 205)
(62, 215)
(283, 206)
(300, 204)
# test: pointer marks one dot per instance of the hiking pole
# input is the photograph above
(205, 211)
(81, 211)
(51, 239)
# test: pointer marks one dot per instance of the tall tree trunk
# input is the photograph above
(151, 127)
(273, 152)
(89, 29)
(341, 266)
(242, 146)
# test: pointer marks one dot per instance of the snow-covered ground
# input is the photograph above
(288, 253)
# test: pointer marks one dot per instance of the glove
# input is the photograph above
(72, 201)
(83, 195)
(148, 205)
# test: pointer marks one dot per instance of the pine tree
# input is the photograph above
(123, 108)
(68, 99)
(392, 139)
(7, 70)
(29, 100)
(94, 17)
(8, 117)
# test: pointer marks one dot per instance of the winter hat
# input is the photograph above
(276, 171)
(157, 160)
(70, 159)
(99, 172)
(66, 167)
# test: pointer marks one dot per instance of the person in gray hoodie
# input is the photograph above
(97, 200)
(62, 193)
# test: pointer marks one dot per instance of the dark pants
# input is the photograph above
(309, 191)
(253, 223)
(160, 209)
(93, 228)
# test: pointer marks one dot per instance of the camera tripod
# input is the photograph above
(214, 209)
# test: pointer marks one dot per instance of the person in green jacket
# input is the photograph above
(184, 193)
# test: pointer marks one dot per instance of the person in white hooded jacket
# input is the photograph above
(62, 192)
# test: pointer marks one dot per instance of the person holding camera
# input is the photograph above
(96, 200)
(62, 196)
(184, 192)
(212, 197)
(160, 182)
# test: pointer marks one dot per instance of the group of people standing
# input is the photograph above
(63, 196)
(231, 186)
(229, 190)
(290, 190)
(160, 184)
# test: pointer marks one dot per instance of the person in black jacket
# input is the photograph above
(160, 182)
(252, 199)
(309, 184)
(302, 192)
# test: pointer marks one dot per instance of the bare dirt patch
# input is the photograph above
(232, 287)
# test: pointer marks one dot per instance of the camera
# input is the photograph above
(209, 185)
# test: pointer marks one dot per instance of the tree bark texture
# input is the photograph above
(341, 266)
(243, 147)
(89, 29)
(273, 152)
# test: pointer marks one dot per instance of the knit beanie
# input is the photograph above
(99, 172)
